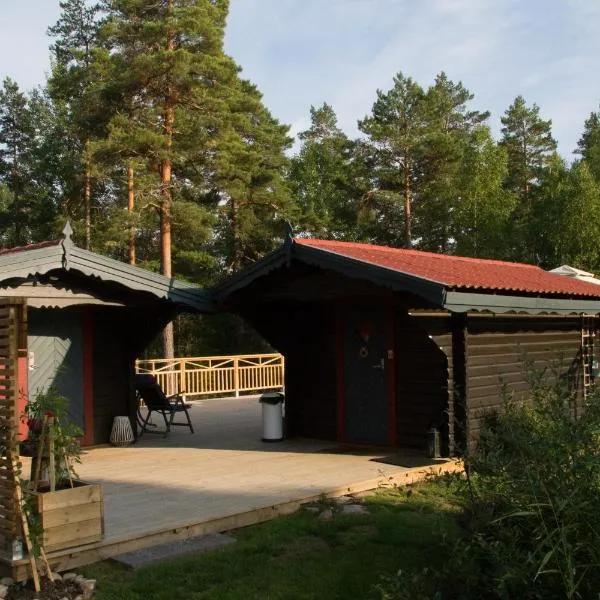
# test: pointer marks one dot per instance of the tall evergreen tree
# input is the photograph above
(453, 129)
(254, 198)
(17, 138)
(529, 143)
(78, 66)
(419, 139)
(530, 147)
(397, 129)
(588, 145)
(168, 57)
(322, 178)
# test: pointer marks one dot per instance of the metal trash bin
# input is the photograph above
(272, 416)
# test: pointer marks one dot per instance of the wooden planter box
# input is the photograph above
(72, 516)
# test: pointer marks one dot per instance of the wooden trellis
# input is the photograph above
(13, 334)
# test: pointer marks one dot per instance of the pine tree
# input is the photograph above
(17, 138)
(529, 143)
(250, 168)
(453, 133)
(530, 146)
(322, 180)
(78, 66)
(168, 57)
(418, 140)
(397, 130)
(588, 145)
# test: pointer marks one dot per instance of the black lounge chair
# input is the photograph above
(154, 398)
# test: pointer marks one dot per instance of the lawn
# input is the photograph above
(302, 556)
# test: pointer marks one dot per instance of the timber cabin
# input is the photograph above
(382, 344)
(83, 320)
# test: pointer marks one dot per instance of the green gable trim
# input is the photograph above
(461, 302)
(65, 257)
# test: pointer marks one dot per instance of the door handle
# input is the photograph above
(381, 365)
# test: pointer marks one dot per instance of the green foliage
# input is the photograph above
(254, 199)
(324, 178)
(531, 507)
(530, 148)
(51, 403)
(482, 216)
(588, 145)
(419, 141)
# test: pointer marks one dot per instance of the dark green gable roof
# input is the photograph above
(62, 256)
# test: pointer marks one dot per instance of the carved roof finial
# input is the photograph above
(67, 231)
(289, 232)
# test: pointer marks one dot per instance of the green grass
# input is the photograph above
(301, 556)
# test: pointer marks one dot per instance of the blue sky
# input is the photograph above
(303, 52)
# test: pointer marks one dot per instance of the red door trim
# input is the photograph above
(88, 378)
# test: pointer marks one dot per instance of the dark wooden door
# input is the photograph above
(366, 398)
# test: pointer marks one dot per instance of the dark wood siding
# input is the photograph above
(304, 332)
(114, 333)
(502, 353)
(424, 368)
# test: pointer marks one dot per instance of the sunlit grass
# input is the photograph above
(302, 556)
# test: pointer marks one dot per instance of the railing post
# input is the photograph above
(182, 384)
(236, 376)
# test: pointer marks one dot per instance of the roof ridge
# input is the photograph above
(35, 246)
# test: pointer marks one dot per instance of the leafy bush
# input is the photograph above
(530, 508)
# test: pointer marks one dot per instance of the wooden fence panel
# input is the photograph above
(217, 375)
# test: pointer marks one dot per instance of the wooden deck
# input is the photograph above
(220, 478)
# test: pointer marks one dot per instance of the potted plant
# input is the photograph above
(63, 510)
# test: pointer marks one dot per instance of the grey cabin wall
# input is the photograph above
(55, 348)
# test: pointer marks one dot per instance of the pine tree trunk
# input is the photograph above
(407, 215)
(130, 208)
(235, 249)
(16, 196)
(165, 238)
(167, 199)
(88, 196)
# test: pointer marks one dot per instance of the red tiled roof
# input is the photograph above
(459, 272)
(47, 244)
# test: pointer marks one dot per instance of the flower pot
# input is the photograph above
(70, 516)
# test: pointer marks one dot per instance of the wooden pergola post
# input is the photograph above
(13, 334)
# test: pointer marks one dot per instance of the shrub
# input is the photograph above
(530, 508)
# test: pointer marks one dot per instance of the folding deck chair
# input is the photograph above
(148, 390)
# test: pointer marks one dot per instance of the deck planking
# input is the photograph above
(221, 477)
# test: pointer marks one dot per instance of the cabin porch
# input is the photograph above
(221, 478)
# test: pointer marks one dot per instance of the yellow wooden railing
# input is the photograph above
(216, 375)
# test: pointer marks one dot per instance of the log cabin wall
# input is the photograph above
(424, 379)
(501, 352)
(304, 332)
